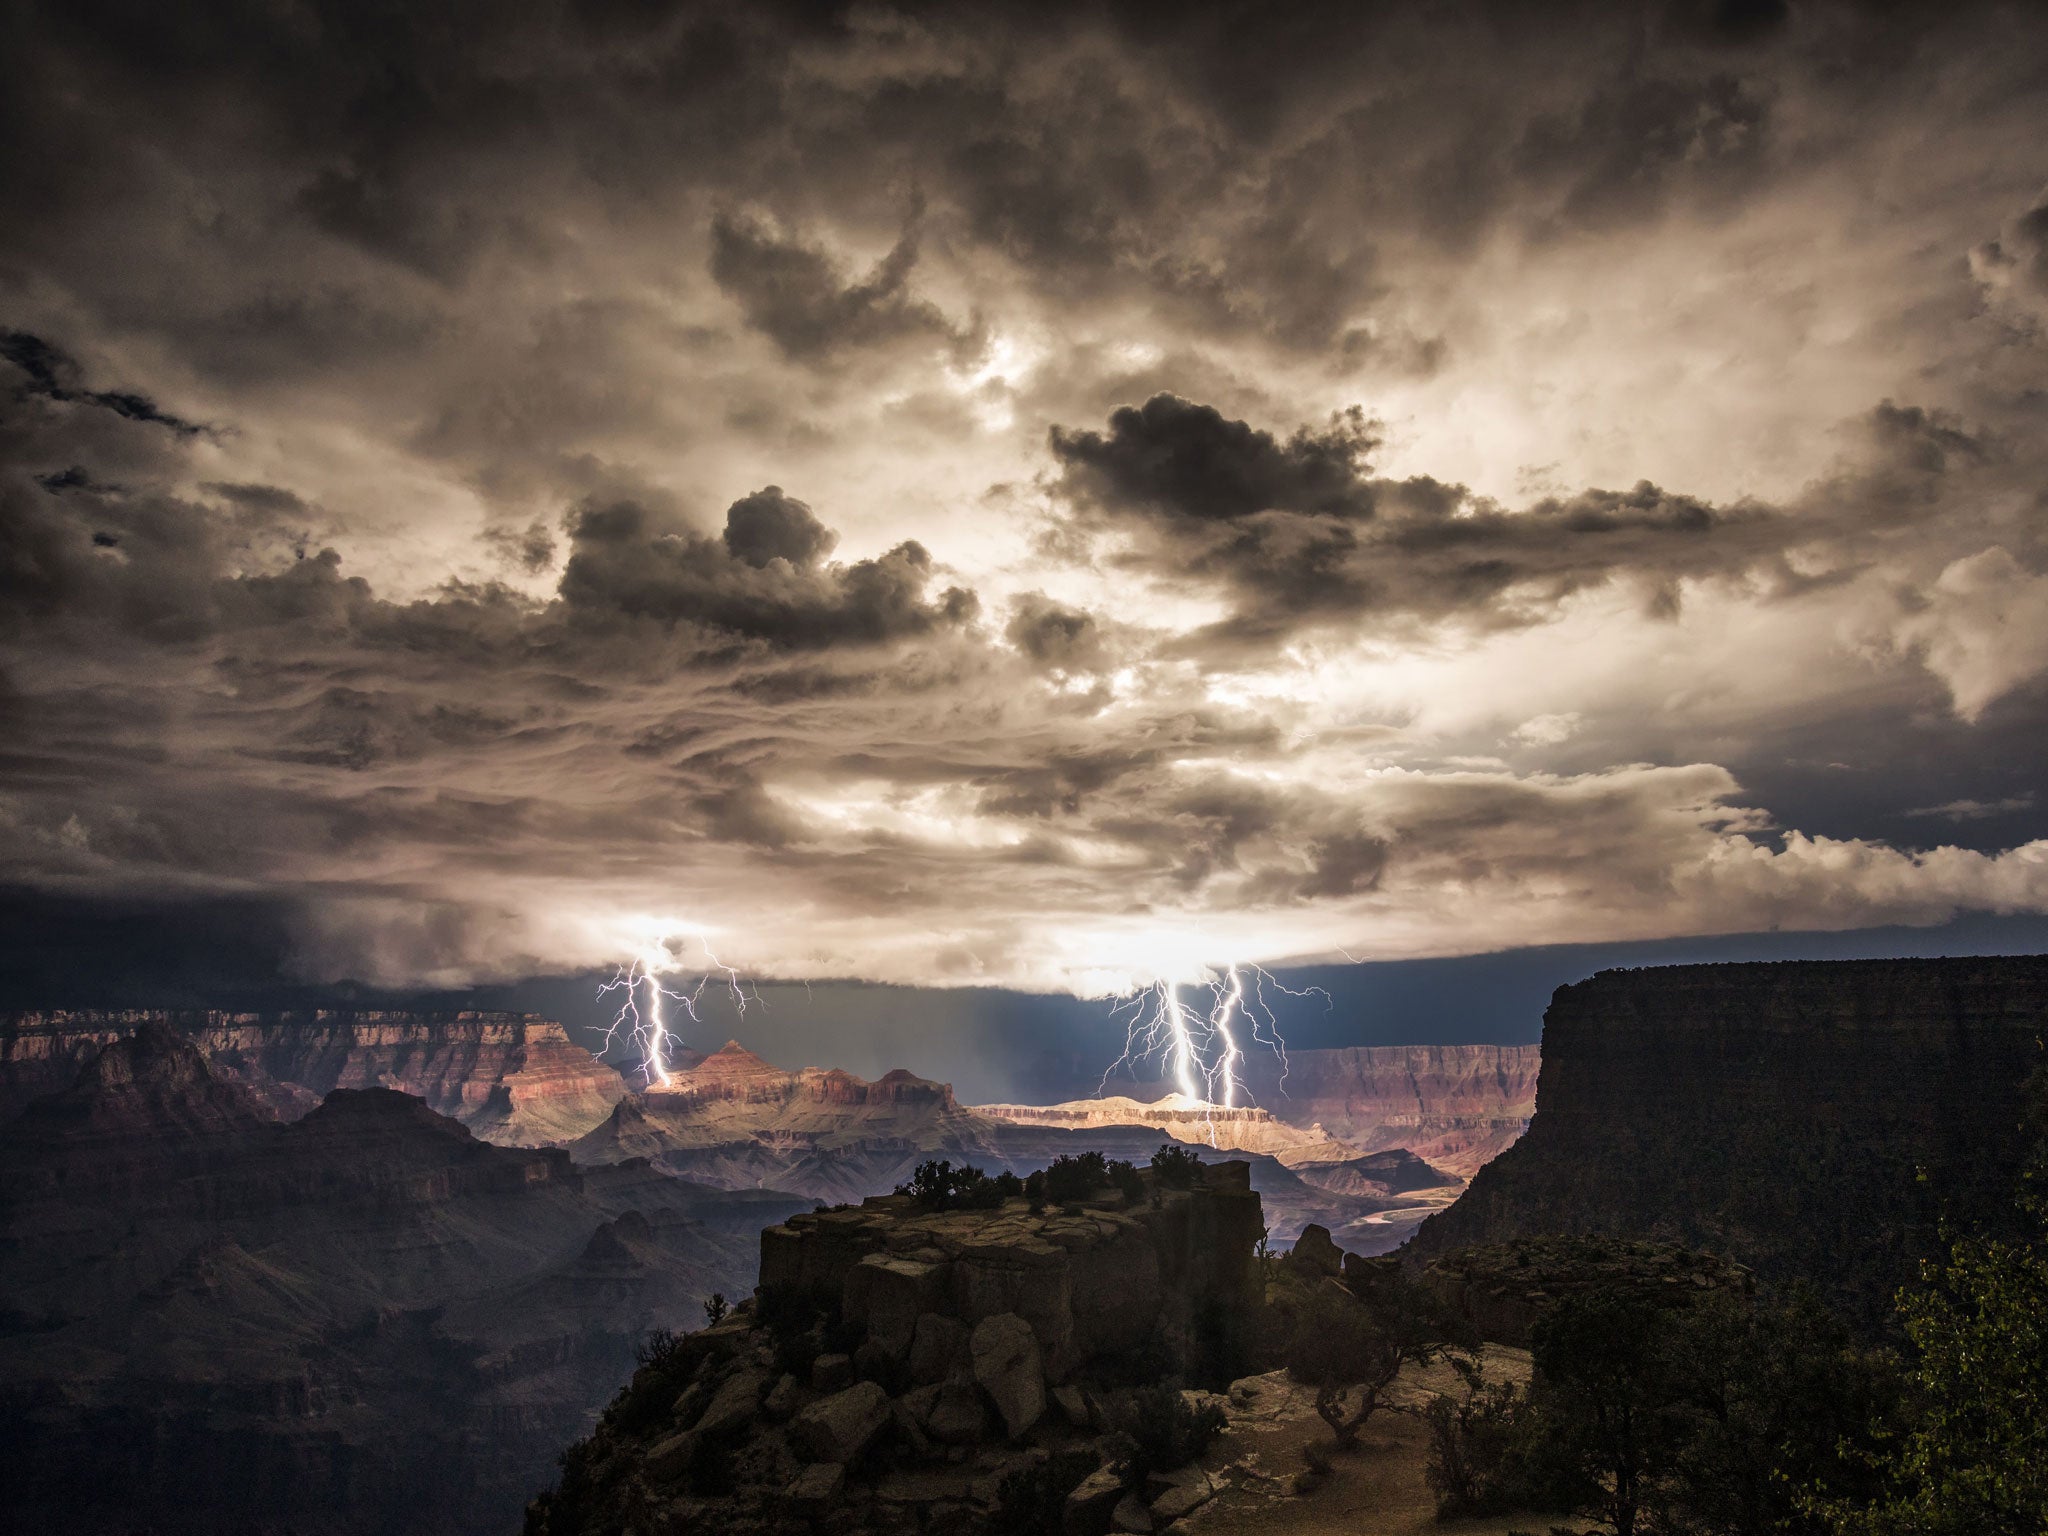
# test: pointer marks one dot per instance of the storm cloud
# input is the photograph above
(1040, 496)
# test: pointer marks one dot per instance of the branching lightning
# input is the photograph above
(643, 1016)
(1200, 1046)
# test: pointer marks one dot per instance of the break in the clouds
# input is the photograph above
(1046, 496)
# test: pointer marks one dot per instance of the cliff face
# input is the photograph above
(1777, 1113)
(366, 1319)
(1454, 1106)
(514, 1079)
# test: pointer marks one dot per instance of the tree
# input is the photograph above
(1354, 1350)
(1971, 1452)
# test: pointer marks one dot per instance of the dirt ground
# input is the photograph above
(1376, 1490)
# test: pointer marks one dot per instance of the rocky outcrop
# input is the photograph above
(903, 1369)
(363, 1319)
(1454, 1106)
(1781, 1114)
(513, 1079)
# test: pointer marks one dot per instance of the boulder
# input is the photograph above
(1132, 1515)
(831, 1373)
(782, 1398)
(938, 1347)
(1091, 1507)
(956, 1416)
(838, 1428)
(671, 1458)
(1074, 1406)
(737, 1400)
(1008, 1366)
(1314, 1251)
(1187, 1489)
(820, 1483)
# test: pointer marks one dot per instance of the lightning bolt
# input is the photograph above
(1200, 1047)
(642, 1017)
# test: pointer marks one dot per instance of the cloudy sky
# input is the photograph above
(1025, 497)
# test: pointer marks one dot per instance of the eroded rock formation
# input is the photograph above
(1782, 1114)
(903, 1369)
(514, 1079)
(363, 1319)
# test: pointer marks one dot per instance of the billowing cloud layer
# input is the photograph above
(1034, 496)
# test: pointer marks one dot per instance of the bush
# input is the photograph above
(1034, 1191)
(1177, 1167)
(1474, 1449)
(715, 1309)
(1032, 1500)
(1342, 1344)
(1160, 1430)
(1075, 1177)
(939, 1186)
(1128, 1181)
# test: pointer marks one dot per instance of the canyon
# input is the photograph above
(514, 1079)
(1815, 1120)
(737, 1121)
(365, 1318)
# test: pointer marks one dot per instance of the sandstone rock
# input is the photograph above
(671, 1458)
(957, 1416)
(938, 1348)
(1314, 1251)
(838, 1428)
(737, 1400)
(1009, 1368)
(1091, 1507)
(822, 1482)
(1132, 1515)
(831, 1373)
(1074, 1406)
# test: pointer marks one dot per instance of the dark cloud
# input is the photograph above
(1054, 634)
(1301, 532)
(626, 562)
(48, 370)
(800, 298)
(771, 526)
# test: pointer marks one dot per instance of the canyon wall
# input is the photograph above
(1453, 1106)
(512, 1078)
(1783, 1114)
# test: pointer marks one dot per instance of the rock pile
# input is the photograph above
(906, 1369)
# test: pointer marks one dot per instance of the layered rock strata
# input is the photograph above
(1811, 1119)
(513, 1079)
(1454, 1106)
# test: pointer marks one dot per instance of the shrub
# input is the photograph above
(1032, 1500)
(1129, 1182)
(1474, 1461)
(939, 1186)
(1034, 1191)
(1177, 1167)
(1160, 1430)
(1075, 1177)
(715, 1309)
(1342, 1344)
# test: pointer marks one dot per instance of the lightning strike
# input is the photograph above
(1200, 1047)
(642, 1017)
